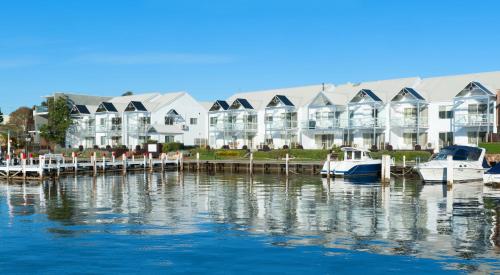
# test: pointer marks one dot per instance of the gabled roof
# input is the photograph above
(135, 106)
(240, 102)
(407, 91)
(218, 105)
(363, 93)
(474, 88)
(445, 88)
(172, 112)
(106, 107)
(300, 96)
(384, 89)
(80, 109)
(280, 98)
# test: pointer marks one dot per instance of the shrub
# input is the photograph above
(374, 148)
(244, 147)
(80, 148)
(388, 147)
(108, 148)
(266, 148)
(300, 147)
(225, 147)
(172, 147)
(96, 147)
(418, 147)
(138, 148)
(285, 147)
(229, 153)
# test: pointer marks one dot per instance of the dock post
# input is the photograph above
(76, 164)
(133, 157)
(58, 166)
(287, 158)
(150, 162)
(178, 161)
(23, 161)
(251, 163)
(182, 161)
(386, 168)
(124, 167)
(103, 164)
(197, 161)
(94, 163)
(404, 161)
(449, 170)
(144, 161)
(8, 165)
(328, 158)
(163, 156)
(41, 163)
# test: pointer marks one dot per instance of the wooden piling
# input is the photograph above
(328, 157)
(251, 163)
(197, 161)
(287, 159)
(450, 173)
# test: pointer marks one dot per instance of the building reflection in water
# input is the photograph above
(404, 217)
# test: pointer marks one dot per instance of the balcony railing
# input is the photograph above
(472, 120)
(41, 109)
(360, 123)
(138, 128)
(321, 124)
(82, 131)
(410, 122)
(281, 125)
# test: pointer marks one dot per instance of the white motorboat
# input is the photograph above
(356, 162)
(469, 164)
(492, 175)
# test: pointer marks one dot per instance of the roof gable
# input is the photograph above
(106, 107)
(277, 99)
(135, 106)
(240, 103)
(365, 94)
(320, 100)
(474, 89)
(218, 105)
(407, 93)
(80, 109)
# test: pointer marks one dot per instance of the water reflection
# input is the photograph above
(402, 218)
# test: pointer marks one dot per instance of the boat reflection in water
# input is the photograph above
(455, 226)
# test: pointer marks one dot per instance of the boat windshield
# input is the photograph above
(353, 155)
(459, 153)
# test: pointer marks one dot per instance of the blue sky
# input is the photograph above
(215, 48)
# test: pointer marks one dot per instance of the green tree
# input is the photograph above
(58, 121)
(128, 93)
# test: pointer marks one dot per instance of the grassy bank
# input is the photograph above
(491, 147)
(295, 154)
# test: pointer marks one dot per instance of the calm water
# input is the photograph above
(153, 223)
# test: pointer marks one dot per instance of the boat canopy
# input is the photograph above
(460, 152)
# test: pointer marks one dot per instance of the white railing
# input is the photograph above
(422, 122)
(321, 124)
(474, 119)
(368, 122)
(281, 125)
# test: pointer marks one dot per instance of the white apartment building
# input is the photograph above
(133, 120)
(255, 119)
(403, 113)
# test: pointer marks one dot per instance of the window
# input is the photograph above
(410, 112)
(410, 138)
(445, 139)
(102, 121)
(169, 120)
(445, 112)
(476, 109)
(476, 137)
(374, 112)
(269, 118)
(213, 121)
(103, 140)
(145, 120)
(193, 121)
(367, 139)
(169, 139)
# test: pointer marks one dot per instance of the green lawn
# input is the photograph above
(491, 147)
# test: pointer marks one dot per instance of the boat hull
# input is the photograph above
(353, 168)
(439, 174)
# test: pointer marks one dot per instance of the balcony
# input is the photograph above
(281, 125)
(409, 122)
(240, 127)
(321, 124)
(137, 128)
(366, 123)
(41, 109)
(474, 120)
(109, 130)
(82, 131)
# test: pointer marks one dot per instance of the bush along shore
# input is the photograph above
(237, 154)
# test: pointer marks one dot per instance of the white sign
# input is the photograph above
(152, 148)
